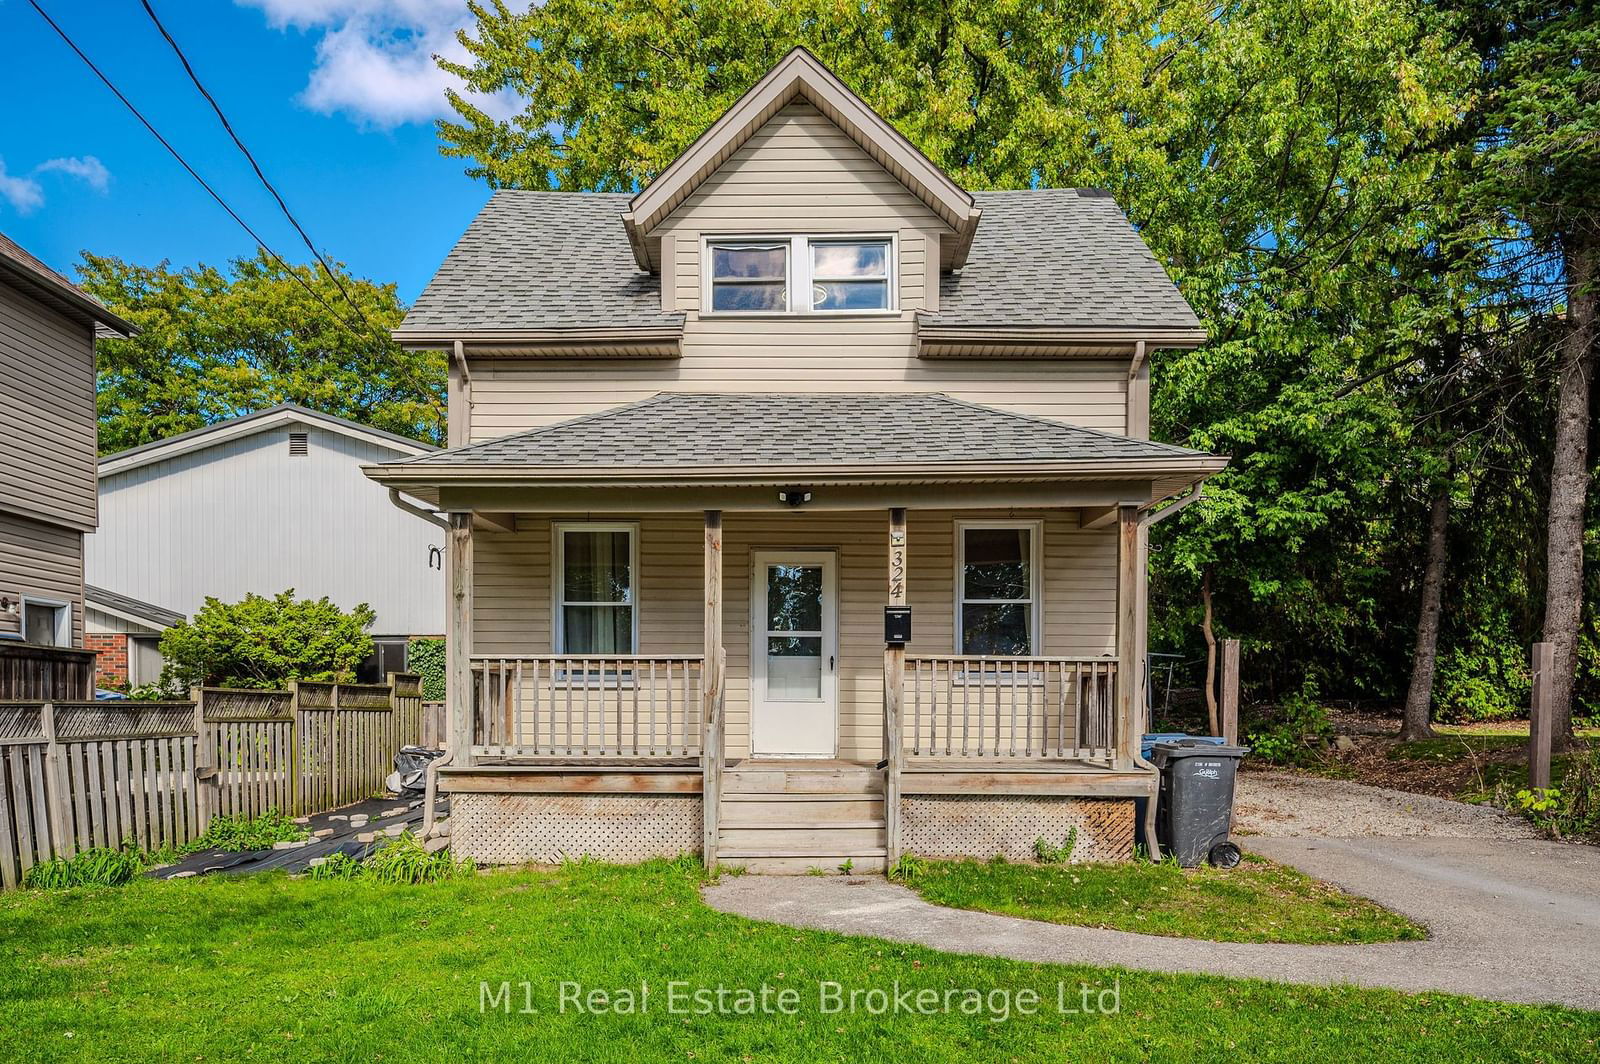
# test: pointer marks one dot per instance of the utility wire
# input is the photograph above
(154, 132)
(284, 207)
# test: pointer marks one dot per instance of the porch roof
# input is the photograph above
(820, 435)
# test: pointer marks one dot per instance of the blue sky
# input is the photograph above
(336, 98)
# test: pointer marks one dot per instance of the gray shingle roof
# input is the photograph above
(554, 260)
(1064, 257)
(542, 260)
(681, 430)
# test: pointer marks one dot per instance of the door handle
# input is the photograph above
(830, 662)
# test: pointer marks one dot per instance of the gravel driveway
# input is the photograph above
(1286, 805)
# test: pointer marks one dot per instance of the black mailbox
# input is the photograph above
(897, 624)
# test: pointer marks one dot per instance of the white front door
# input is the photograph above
(794, 680)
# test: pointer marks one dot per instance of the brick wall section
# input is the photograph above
(111, 667)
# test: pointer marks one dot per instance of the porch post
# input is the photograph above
(712, 672)
(459, 667)
(1130, 655)
(894, 670)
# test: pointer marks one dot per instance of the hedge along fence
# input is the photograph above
(75, 775)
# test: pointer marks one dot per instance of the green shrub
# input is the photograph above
(1571, 810)
(404, 860)
(1489, 681)
(426, 658)
(239, 833)
(265, 642)
(1295, 732)
(97, 867)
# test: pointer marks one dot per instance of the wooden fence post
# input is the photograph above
(55, 782)
(1229, 703)
(297, 776)
(205, 765)
(1541, 708)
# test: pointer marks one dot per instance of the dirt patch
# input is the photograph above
(1285, 804)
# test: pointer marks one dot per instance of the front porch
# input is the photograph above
(627, 756)
(798, 630)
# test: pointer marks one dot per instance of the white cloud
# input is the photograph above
(23, 193)
(375, 57)
(26, 194)
(90, 170)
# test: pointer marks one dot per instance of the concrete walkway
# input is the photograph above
(1509, 920)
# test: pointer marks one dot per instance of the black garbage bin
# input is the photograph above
(1196, 806)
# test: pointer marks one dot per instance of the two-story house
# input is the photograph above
(797, 504)
(48, 433)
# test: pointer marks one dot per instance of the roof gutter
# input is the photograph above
(431, 516)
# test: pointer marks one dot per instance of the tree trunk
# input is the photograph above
(1211, 653)
(1419, 698)
(1569, 485)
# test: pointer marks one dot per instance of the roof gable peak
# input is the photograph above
(800, 75)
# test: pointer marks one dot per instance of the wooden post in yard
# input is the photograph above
(894, 673)
(459, 709)
(1229, 703)
(711, 672)
(55, 783)
(205, 766)
(1541, 708)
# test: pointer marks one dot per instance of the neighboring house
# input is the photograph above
(125, 635)
(48, 327)
(258, 504)
(798, 504)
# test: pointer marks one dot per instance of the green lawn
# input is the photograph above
(1257, 902)
(272, 968)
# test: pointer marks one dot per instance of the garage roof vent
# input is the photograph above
(298, 447)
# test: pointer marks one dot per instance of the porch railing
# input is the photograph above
(587, 706)
(987, 707)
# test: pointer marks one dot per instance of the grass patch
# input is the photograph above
(402, 860)
(1457, 747)
(1257, 902)
(270, 968)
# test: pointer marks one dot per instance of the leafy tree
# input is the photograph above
(266, 642)
(215, 345)
(1312, 174)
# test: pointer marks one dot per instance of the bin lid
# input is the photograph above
(1198, 748)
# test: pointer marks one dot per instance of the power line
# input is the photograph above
(154, 132)
(284, 207)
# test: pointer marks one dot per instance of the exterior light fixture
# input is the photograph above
(795, 497)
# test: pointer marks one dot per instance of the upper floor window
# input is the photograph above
(800, 275)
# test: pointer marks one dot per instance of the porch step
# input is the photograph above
(800, 842)
(860, 864)
(824, 777)
(801, 810)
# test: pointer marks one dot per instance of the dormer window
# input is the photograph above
(801, 275)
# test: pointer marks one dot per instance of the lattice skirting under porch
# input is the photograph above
(985, 825)
(497, 829)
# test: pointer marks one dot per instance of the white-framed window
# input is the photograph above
(596, 588)
(801, 275)
(997, 587)
(47, 622)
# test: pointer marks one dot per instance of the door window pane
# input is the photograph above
(42, 624)
(794, 598)
(794, 667)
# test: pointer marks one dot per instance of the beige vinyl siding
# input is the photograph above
(47, 413)
(513, 602)
(42, 561)
(798, 174)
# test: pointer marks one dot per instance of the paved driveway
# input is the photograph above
(1510, 919)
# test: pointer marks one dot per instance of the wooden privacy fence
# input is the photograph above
(80, 774)
(29, 672)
